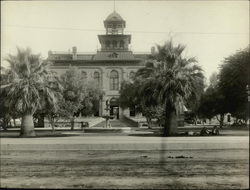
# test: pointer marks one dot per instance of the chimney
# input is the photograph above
(49, 52)
(74, 52)
(152, 50)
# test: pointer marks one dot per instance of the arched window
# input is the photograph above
(114, 44)
(84, 75)
(114, 80)
(121, 44)
(131, 75)
(97, 78)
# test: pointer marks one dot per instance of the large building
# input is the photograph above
(109, 66)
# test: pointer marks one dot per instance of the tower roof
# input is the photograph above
(114, 17)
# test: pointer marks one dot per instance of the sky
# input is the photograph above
(211, 30)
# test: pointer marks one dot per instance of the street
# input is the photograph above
(126, 162)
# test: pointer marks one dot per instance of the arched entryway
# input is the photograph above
(114, 108)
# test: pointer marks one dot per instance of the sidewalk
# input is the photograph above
(126, 143)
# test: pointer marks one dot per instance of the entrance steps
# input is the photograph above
(117, 126)
(114, 124)
(100, 124)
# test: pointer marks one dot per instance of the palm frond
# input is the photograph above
(29, 81)
(176, 78)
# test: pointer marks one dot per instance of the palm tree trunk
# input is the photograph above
(221, 120)
(27, 126)
(171, 124)
(72, 121)
(52, 123)
(14, 122)
(149, 123)
(5, 123)
(170, 127)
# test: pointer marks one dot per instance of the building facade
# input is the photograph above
(109, 66)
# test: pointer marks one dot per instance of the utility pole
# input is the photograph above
(248, 103)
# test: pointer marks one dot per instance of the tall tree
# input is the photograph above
(135, 95)
(213, 80)
(74, 92)
(91, 101)
(51, 103)
(213, 104)
(79, 95)
(175, 81)
(128, 95)
(5, 111)
(233, 79)
(27, 84)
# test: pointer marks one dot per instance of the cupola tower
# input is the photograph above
(115, 39)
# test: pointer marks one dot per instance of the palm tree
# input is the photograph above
(174, 81)
(28, 84)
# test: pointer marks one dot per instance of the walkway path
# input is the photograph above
(100, 124)
(114, 123)
(120, 123)
(127, 143)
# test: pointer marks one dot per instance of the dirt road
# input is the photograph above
(53, 167)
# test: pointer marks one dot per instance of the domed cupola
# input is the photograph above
(114, 40)
(114, 24)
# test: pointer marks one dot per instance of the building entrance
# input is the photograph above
(114, 108)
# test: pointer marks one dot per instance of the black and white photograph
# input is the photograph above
(124, 94)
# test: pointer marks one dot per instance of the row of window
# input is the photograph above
(114, 78)
(114, 31)
(114, 26)
(114, 44)
(96, 75)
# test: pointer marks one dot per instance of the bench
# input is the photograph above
(205, 131)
